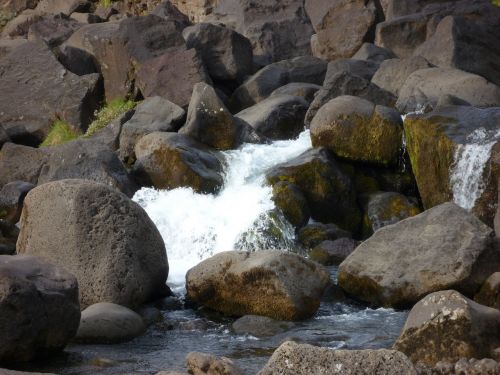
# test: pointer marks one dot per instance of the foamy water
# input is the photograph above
(197, 226)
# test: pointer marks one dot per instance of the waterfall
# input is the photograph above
(197, 226)
(470, 159)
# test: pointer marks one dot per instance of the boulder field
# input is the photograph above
(393, 201)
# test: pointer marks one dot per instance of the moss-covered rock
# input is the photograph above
(489, 294)
(386, 208)
(290, 200)
(356, 129)
(276, 284)
(438, 140)
(328, 189)
(313, 234)
(171, 160)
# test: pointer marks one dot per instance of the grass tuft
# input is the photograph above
(108, 113)
(496, 2)
(104, 3)
(60, 132)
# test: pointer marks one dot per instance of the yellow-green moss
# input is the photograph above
(108, 113)
(60, 132)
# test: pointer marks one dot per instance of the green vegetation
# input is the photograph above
(104, 3)
(60, 132)
(496, 2)
(108, 113)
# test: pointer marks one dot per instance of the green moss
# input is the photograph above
(496, 2)
(104, 3)
(60, 132)
(108, 113)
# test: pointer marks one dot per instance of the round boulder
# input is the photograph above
(107, 241)
(39, 309)
(108, 323)
(358, 130)
(276, 284)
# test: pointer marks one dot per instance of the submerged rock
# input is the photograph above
(276, 284)
(302, 359)
(445, 326)
(260, 326)
(39, 308)
(109, 323)
(172, 160)
(107, 241)
(442, 248)
(290, 200)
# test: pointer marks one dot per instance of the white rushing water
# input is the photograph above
(466, 175)
(197, 226)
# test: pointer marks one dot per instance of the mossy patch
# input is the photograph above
(108, 113)
(60, 132)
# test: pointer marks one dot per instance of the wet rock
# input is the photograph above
(260, 326)
(44, 90)
(210, 122)
(172, 76)
(349, 83)
(369, 51)
(303, 69)
(108, 323)
(331, 253)
(424, 88)
(276, 284)
(328, 189)
(290, 200)
(53, 30)
(277, 29)
(331, 19)
(21, 163)
(202, 363)
(89, 160)
(150, 315)
(154, 114)
(107, 241)
(277, 117)
(171, 160)
(302, 90)
(356, 129)
(314, 234)
(489, 294)
(39, 308)
(226, 54)
(393, 73)
(470, 45)
(444, 134)
(445, 326)
(387, 208)
(446, 244)
(302, 359)
(11, 200)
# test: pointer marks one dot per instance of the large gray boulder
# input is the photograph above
(109, 323)
(276, 284)
(277, 117)
(226, 54)
(210, 122)
(446, 326)
(341, 26)
(426, 86)
(393, 73)
(43, 90)
(445, 247)
(172, 160)
(356, 129)
(302, 359)
(154, 114)
(39, 309)
(107, 241)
